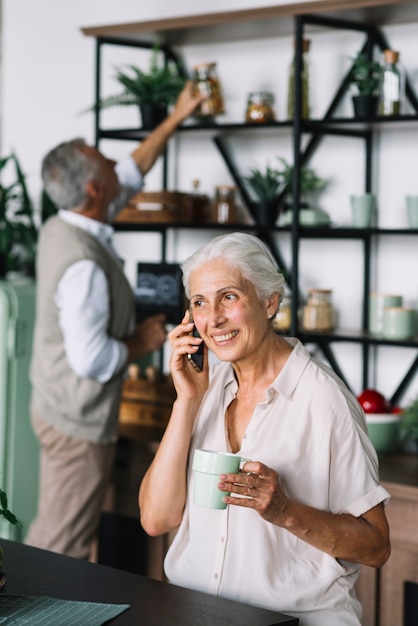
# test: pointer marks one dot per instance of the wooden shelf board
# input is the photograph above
(256, 22)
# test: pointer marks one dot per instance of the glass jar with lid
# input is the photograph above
(319, 313)
(207, 83)
(224, 210)
(260, 107)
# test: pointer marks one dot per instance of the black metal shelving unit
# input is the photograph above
(315, 130)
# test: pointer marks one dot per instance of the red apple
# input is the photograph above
(373, 402)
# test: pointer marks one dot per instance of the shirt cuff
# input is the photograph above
(368, 501)
(128, 173)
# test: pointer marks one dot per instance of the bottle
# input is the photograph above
(260, 107)
(224, 210)
(206, 83)
(195, 205)
(390, 85)
(305, 103)
(319, 313)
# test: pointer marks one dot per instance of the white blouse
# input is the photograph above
(311, 430)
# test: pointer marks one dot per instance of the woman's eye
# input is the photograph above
(230, 296)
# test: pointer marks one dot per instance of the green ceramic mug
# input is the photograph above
(207, 466)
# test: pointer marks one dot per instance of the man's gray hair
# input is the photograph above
(245, 252)
(66, 170)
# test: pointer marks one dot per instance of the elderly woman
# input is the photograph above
(313, 508)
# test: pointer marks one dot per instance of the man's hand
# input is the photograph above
(149, 335)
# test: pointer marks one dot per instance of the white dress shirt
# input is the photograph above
(82, 295)
(311, 430)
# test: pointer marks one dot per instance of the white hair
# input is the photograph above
(245, 252)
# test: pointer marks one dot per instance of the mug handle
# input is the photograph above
(242, 462)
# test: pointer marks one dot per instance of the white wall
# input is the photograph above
(48, 78)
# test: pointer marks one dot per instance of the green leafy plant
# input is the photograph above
(18, 232)
(409, 421)
(309, 180)
(365, 74)
(264, 183)
(5, 512)
(160, 85)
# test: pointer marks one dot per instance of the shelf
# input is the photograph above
(262, 22)
(361, 337)
(312, 232)
(331, 125)
(138, 134)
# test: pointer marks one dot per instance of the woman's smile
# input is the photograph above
(226, 337)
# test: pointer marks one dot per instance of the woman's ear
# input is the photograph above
(272, 304)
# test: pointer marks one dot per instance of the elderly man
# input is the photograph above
(85, 332)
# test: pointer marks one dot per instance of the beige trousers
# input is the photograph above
(74, 476)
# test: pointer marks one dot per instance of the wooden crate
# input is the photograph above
(147, 403)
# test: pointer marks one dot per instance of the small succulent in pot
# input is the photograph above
(309, 180)
(365, 76)
(264, 183)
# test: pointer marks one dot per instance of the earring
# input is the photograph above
(270, 316)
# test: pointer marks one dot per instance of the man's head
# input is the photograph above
(78, 177)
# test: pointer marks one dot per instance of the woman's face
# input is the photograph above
(227, 312)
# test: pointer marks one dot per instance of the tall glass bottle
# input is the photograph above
(390, 91)
(305, 104)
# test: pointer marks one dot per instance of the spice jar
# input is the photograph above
(224, 210)
(260, 107)
(206, 83)
(319, 313)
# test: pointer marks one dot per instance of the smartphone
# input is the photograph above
(196, 359)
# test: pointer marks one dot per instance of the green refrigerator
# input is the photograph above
(19, 449)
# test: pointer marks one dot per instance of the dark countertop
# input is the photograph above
(34, 572)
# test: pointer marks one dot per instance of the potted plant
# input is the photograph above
(409, 422)
(365, 76)
(310, 185)
(152, 91)
(18, 232)
(310, 182)
(265, 185)
(10, 517)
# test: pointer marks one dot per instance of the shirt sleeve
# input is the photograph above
(82, 298)
(131, 181)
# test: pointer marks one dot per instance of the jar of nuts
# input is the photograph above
(260, 107)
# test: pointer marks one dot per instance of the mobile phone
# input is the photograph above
(196, 359)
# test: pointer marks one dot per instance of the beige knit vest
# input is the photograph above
(79, 407)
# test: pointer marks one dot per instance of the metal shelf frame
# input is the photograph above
(317, 129)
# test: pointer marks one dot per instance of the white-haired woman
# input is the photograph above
(313, 508)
